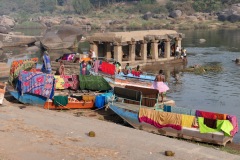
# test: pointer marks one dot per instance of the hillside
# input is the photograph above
(124, 14)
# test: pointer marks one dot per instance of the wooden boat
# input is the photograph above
(73, 103)
(130, 113)
(29, 98)
(2, 91)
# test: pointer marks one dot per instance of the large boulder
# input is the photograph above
(176, 14)
(147, 15)
(64, 37)
(7, 21)
(4, 29)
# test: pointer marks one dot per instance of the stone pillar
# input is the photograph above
(154, 50)
(167, 49)
(132, 51)
(108, 50)
(94, 47)
(118, 52)
(144, 50)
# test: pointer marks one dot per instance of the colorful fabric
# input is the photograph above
(96, 66)
(71, 81)
(205, 114)
(187, 120)
(222, 125)
(20, 65)
(59, 82)
(46, 67)
(212, 123)
(60, 100)
(136, 73)
(160, 119)
(36, 83)
(234, 121)
(88, 98)
(160, 86)
(108, 68)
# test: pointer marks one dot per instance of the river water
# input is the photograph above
(216, 92)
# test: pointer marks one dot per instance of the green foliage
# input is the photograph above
(81, 6)
(170, 6)
(47, 5)
(207, 5)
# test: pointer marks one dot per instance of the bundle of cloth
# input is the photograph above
(208, 121)
(37, 83)
(20, 65)
(67, 82)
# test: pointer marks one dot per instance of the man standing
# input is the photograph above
(46, 67)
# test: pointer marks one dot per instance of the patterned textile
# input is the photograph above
(20, 65)
(160, 119)
(108, 68)
(59, 82)
(71, 81)
(46, 67)
(36, 83)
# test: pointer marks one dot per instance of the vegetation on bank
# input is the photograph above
(129, 13)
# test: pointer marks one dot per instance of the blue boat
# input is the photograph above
(130, 114)
(29, 98)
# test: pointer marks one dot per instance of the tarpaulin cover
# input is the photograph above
(95, 83)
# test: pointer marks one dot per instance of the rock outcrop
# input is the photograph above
(64, 37)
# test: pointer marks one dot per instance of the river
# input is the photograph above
(216, 92)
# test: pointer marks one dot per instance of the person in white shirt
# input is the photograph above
(178, 51)
(93, 54)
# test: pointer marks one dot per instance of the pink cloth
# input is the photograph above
(160, 86)
(234, 121)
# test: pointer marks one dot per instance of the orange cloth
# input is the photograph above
(187, 120)
(221, 116)
(86, 59)
(88, 98)
(163, 118)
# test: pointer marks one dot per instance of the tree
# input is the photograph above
(207, 5)
(47, 5)
(81, 6)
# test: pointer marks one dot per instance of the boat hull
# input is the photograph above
(29, 98)
(131, 116)
(70, 105)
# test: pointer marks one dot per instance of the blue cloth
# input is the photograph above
(167, 108)
(46, 67)
(99, 101)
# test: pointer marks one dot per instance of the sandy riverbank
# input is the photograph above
(35, 133)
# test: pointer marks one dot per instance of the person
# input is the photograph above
(159, 84)
(127, 69)
(83, 67)
(89, 67)
(138, 69)
(178, 50)
(61, 69)
(92, 54)
(118, 67)
(46, 67)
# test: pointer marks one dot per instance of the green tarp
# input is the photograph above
(95, 83)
